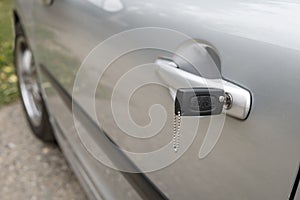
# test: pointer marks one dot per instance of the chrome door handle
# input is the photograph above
(237, 106)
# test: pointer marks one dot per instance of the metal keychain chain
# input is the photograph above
(176, 131)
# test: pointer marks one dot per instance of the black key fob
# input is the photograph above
(199, 101)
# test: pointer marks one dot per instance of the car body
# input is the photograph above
(258, 46)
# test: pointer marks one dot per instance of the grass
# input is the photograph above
(8, 79)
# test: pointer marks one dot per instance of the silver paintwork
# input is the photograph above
(259, 46)
(46, 2)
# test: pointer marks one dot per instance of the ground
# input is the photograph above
(30, 169)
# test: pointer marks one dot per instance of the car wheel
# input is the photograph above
(28, 84)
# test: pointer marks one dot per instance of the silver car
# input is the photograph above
(166, 99)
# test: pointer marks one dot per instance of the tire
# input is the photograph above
(30, 90)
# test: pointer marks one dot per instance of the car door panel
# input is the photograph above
(253, 159)
(59, 57)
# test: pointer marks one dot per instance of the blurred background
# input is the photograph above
(8, 79)
(29, 168)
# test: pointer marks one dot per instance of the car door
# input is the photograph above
(60, 49)
(255, 47)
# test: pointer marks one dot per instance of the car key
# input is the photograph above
(199, 101)
(196, 102)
